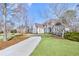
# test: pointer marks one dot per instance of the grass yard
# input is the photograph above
(9, 35)
(50, 46)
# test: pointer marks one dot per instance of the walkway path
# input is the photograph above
(23, 48)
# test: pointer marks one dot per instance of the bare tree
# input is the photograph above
(1, 24)
(57, 9)
(68, 17)
(17, 11)
(20, 12)
(4, 16)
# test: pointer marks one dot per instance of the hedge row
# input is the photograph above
(72, 36)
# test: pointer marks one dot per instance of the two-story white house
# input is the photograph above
(37, 28)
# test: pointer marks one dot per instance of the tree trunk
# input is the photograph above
(63, 34)
(4, 16)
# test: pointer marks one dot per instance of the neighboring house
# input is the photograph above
(22, 29)
(34, 29)
(38, 28)
(9, 27)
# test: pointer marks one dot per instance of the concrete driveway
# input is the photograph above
(23, 48)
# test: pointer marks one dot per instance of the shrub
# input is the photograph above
(1, 32)
(72, 36)
(14, 31)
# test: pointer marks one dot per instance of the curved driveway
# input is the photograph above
(23, 48)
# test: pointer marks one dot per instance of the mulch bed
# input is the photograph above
(16, 39)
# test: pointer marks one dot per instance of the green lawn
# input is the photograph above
(50, 46)
(9, 35)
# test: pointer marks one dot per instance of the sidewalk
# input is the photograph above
(23, 48)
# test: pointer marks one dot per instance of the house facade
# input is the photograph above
(22, 29)
(51, 26)
(57, 27)
(38, 28)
